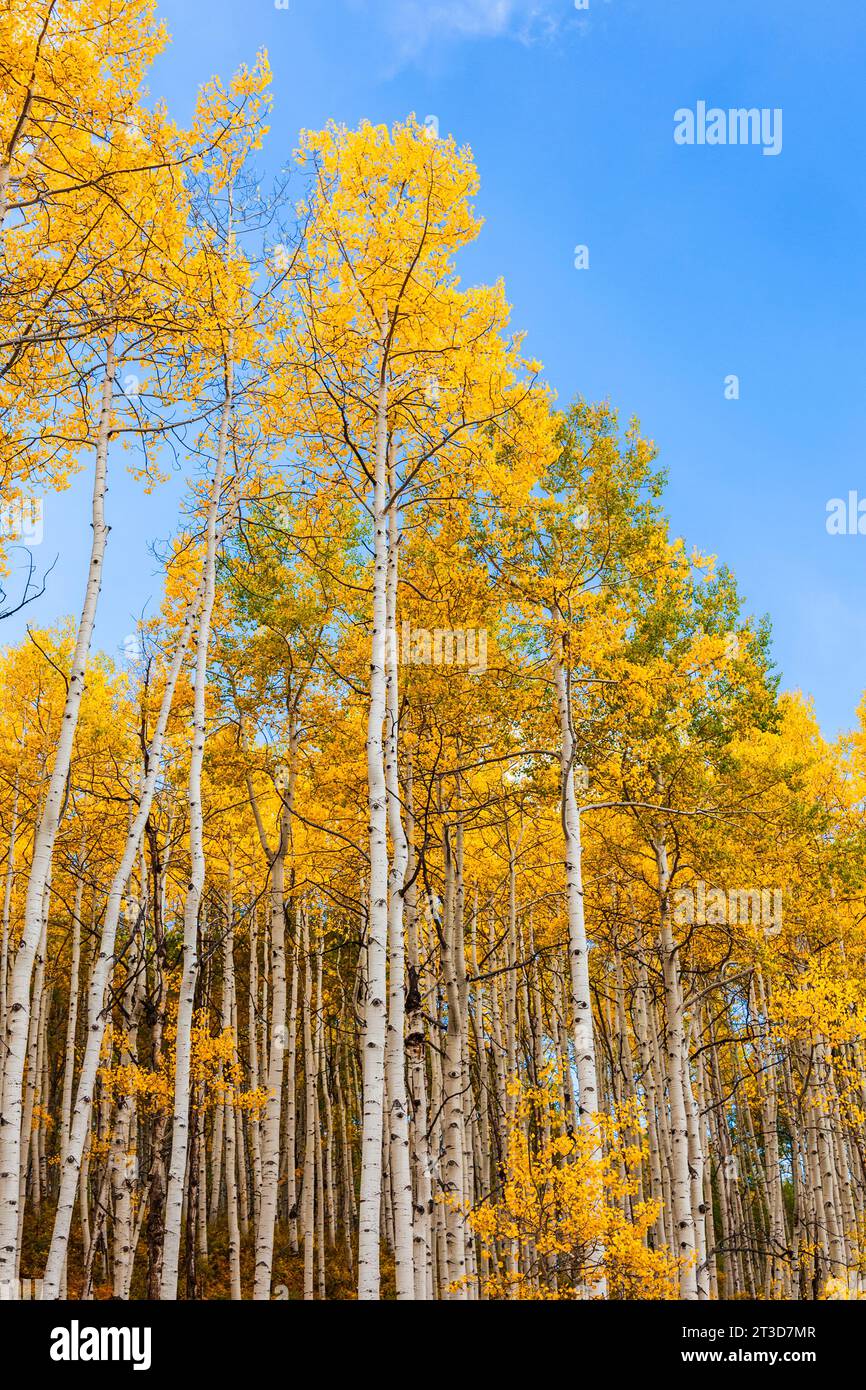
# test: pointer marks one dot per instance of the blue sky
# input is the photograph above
(704, 261)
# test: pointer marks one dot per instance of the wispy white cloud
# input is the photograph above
(415, 25)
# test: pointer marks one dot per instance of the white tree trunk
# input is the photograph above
(230, 1119)
(395, 1049)
(578, 947)
(71, 1162)
(677, 1061)
(4, 941)
(310, 1117)
(269, 1189)
(578, 952)
(18, 1004)
(186, 1003)
(370, 1204)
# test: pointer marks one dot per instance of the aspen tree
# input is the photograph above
(311, 1117)
(74, 1151)
(395, 1053)
(427, 829)
(18, 1010)
(361, 393)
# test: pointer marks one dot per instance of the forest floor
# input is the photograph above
(212, 1272)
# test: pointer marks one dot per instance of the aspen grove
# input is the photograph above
(442, 901)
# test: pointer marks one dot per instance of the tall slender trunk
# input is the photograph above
(269, 1188)
(180, 1120)
(578, 947)
(311, 1117)
(677, 1061)
(71, 1162)
(4, 940)
(71, 1017)
(18, 1004)
(578, 951)
(375, 1011)
(231, 1117)
(416, 1049)
(122, 1156)
(453, 1113)
(28, 1154)
(395, 1046)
